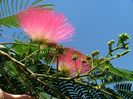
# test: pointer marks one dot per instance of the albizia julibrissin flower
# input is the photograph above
(71, 66)
(45, 25)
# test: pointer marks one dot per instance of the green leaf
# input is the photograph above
(9, 22)
(123, 86)
(43, 95)
(10, 8)
(36, 2)
(125, 94)
(47, 5)
(123, 73)
(11, 67)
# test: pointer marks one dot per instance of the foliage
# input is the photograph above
(26, 67)
(10, 8)
(24, 70)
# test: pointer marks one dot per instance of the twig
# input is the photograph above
(57, 65)
(8, 82)
(29, 71)
(61, 78)
(87, 85)
(110, 51)
(26, 84)
(4, 43)
(55, 90)
(29, 56)
(16, 61)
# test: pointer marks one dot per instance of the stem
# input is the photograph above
(75, 65)
(110, 51)
(35, 76)
(29, 56)
(38, 50)
(9, 82)
(49, 68)
(26, 84)
(29, 49)
(57, 65)
(79, 70)
(87, 73)
(55, 90)
(43, 75)
(4, 43)
(106, 92)
(16, 61)
(47, 63)
(32, 75)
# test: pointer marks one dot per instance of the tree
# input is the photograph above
(36, 68)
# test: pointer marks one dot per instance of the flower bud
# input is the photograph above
(94, 53)
(111, 42)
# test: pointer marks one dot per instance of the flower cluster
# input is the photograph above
(71, 62)
(45, 25)
(48, 26)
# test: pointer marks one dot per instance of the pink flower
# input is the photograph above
(45, 25)
(70, 66)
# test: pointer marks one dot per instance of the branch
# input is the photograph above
(32, 74)
(104, 91)
(4, 43)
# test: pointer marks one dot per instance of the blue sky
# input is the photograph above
(96, 22)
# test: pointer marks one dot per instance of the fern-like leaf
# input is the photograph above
(83, 92)
(125, 94)
(123, 86)
(9, 9)
(67, 88)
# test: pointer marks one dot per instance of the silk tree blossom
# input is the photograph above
(45, 25)
(70, 66)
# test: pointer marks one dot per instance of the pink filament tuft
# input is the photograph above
(45, 25)
(66, 62)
